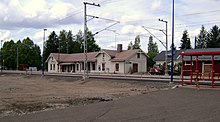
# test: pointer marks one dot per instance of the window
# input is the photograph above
(103, 55)
(93, 65)
(50, 66)
(103, 66)
(116, 67)
(53, 66)
(77, 67)
(83, 66)
(138, 55)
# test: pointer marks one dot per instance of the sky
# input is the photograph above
(28, 18)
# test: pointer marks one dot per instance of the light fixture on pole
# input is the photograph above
(166, 69)
(43, 52)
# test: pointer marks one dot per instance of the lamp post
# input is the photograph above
(43, 52)
(166, 45)
(172, 42)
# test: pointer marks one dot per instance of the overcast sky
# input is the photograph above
(28, 18)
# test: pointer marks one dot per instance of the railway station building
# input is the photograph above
(105, 61)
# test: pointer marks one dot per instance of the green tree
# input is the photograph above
(214, 37)
(63, 41)
(27, 52)
(79, 40)
(130, 46)
(137, 42)
(185, 41)
(201, 41)
(9, 55)
(152, 52)
(91, 43)
(51, 45)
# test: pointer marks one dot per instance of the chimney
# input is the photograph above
(119, 48)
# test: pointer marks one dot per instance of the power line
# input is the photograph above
(199, 13)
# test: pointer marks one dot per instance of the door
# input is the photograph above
(135, 67)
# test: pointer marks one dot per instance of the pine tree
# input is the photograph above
(186, 44)
(201, 41)
(137, 42)
(152, 52)
(130, 46)
(214, 37)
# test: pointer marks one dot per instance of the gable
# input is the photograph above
(127, 54)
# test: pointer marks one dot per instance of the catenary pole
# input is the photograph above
(166, 69)
(43, 52)
(85, 74)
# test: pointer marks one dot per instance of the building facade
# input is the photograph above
(104, 61)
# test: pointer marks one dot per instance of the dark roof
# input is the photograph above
(161, 55)
(91, 56)
(124, 55)
(203, 50)
(73, 57)
(207, 57)
(111, 53)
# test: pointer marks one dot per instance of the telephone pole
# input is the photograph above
(85, 38)
(166, 45)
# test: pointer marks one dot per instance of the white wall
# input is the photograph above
(121, 67)
(142, 63)
(106, 60)
(52, 62)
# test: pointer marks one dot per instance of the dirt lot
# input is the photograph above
(21, 94)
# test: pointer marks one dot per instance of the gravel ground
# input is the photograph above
(22, 94)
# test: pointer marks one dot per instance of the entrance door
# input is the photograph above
(103, 66)
(135, 67)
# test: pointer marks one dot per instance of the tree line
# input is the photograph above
(68, 43)
(23, 54)
(205, 39)
(20, 54)
(26, 52)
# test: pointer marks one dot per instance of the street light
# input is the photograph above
(43, 53)
(172, 42)
(166, 45)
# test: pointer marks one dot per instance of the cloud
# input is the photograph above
(36, 14)
(128, 29)
(156, 4)
(5, 36)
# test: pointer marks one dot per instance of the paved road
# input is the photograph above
(169, 105)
